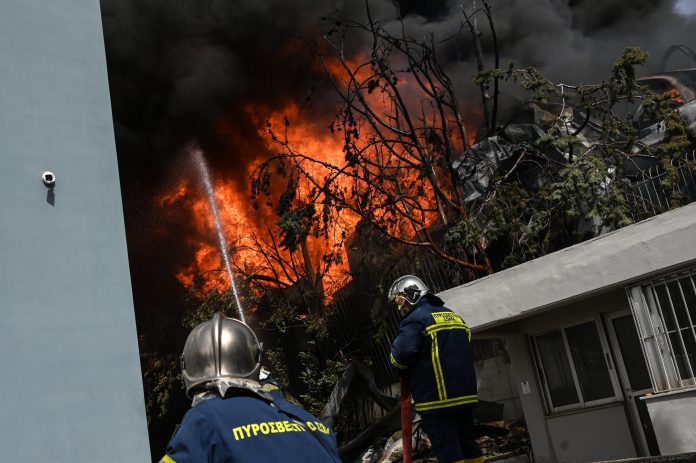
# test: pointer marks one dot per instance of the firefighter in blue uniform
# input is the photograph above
(235, 418)
(434, 349)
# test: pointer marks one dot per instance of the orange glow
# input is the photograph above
(316, 141)
(240, 220)
(176, 195)
(674, 95)
(242, 223)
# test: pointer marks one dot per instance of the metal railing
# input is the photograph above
(648, 195)
(354, 331)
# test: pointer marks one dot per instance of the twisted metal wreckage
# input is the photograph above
(478, 166)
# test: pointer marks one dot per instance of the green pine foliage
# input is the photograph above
(319, 381)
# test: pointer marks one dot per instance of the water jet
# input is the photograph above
(204, 172)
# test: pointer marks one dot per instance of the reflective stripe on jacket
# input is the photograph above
(434, 345)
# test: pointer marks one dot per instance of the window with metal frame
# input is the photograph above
(665, 313)
(575, 368)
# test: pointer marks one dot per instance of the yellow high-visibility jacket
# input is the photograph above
(434, 346)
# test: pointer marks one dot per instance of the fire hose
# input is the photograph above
(406, 420)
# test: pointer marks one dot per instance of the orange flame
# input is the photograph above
(241, 222)
(674, 95)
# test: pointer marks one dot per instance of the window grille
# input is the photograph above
(665, 314)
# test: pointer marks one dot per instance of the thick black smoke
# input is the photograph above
(178, 68)
(578, 40)
(574, 41)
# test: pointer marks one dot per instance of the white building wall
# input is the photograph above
(591, 434)
(71, 389)
(495, 384)
(529, 395)
(673, 417)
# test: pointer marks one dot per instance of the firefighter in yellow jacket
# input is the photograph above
(434, 348)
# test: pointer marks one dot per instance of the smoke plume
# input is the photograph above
(209, 71)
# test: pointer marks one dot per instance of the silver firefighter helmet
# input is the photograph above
(407, 289)
(217, 349)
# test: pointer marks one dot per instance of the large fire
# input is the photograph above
(250, 230)
(245, 226)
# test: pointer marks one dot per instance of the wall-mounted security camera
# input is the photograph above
(48, 179)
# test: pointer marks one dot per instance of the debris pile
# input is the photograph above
(368, 426)
(522, 143)
(390, 449)
(500, 441)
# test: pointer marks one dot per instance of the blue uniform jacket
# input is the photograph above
(434, 346)
(250, 429)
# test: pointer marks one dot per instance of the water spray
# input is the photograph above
(210, 191)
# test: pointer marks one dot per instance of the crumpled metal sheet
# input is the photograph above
(392, 450)
(356, 371)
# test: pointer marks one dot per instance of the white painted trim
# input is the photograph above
(613, 260)
(606, 350)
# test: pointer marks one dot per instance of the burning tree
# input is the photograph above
(402, 129)
(409, 168)
(546, 175)
(411, 173)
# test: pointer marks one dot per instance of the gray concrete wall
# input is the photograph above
(597, 305)
(673, 417)
(594, 433)
(529, 395)
(71, 388)
(496, 384)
